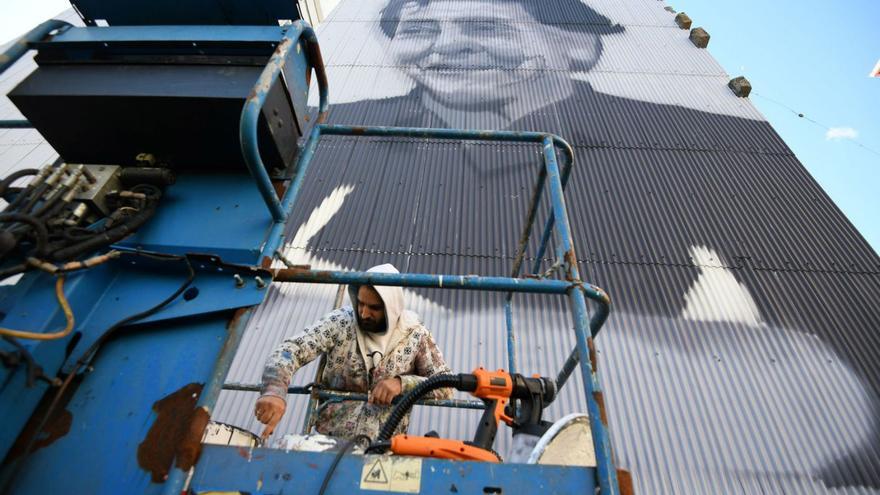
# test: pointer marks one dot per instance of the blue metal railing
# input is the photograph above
(576, 290)
(557, 222)
(250, 113)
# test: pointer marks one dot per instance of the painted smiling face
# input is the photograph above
(467, 52)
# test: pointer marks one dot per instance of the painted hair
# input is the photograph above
(593, 22)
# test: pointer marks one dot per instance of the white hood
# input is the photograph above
(398, 320)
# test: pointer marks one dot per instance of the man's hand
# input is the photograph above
(269, 410)
(385, 391)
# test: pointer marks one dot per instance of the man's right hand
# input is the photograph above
(269, 410)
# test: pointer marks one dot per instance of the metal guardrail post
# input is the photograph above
(511, 336)
(596, 322)
(211, 391)
(250, 112)
(572, 286)
(607, 474)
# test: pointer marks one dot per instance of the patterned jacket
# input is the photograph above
(411, 355)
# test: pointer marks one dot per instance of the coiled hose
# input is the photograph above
(409, 399)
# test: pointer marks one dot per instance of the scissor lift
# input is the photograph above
(98, 456)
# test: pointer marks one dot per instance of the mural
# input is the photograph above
(722, 367)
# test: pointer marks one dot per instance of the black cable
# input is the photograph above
(19, 199)
(88, 355)
(51, 201)
(38, 194)
(410, 398)
(339, 455)
(42, 234)
(13, 270)
(14, 176)
(143, 314)
(112, 235)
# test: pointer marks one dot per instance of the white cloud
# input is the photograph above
(841, 133)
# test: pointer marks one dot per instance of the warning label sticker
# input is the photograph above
(392, 474)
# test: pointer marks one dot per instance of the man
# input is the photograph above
(373, 347)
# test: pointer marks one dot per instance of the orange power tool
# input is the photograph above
(517, 400)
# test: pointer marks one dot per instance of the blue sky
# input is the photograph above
(814, 58)
(802, 56)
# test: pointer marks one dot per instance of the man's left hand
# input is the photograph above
(385, 391)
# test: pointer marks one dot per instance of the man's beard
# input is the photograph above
(372, 326)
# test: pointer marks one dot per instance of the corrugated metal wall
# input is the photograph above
(741, 353)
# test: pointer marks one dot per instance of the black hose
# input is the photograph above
(38, 193)
(52, 211)
(42, 233)
(409, 399)
(13, 270)
(51, 201)
(110, 236)
(191, 275)
(13, 206)
(14, 176)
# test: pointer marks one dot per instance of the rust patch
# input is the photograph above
(592, 347)
(286, 274)
(190, 446)
(600, 400)
(244, 453)
(570, 258)
(233, 322)
(358, 131)
(625, 482)
(174, 415)
(57, 426)
(280, 187)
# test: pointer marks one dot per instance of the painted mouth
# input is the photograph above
(455, 67)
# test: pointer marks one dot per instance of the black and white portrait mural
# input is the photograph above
(741, 354)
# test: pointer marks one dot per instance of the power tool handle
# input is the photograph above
(488, 427)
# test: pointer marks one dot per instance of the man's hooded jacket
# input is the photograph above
(357, 361)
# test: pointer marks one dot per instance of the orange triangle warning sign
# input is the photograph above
(376, 473)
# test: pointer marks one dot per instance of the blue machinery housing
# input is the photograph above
(220, 468)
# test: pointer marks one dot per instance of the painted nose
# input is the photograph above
(454, 43)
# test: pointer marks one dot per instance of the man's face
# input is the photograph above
(481, 52)
(370, 310)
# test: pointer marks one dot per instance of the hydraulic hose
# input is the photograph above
(51, 202)
(68, 316)
(409, 399)
(14, 176)
(40, 231)
(38, 194)
(112, 235)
